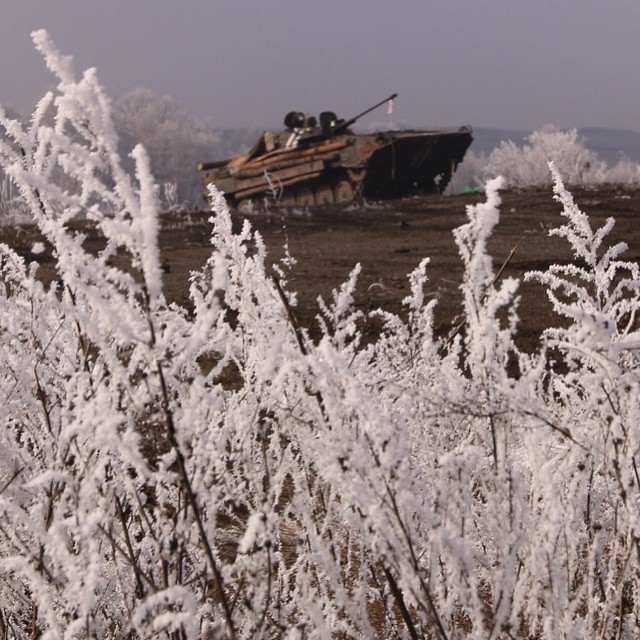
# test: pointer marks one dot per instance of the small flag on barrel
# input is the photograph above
(390, 107)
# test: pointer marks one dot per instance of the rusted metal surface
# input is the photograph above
(254, 169)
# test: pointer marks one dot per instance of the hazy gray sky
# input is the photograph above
(245, 63)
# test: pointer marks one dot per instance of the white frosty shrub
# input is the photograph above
(588, 485)
(625, 171)
(467, 175)
(12, 207)
(174, 140)
(527, 165)
(215, 473)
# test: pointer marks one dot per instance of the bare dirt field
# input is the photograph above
(389, 239)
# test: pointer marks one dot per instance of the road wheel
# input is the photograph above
(245, 205)
(344, 192)
(287, 199)
(324, 195)
(305, 198)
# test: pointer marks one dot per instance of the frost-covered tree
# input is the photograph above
(527, 165)
(467, 175)
(174, 140)
(625, 171)
(215, 473)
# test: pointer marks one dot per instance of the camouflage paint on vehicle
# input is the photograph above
(320, 162)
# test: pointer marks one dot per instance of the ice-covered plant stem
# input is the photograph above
(214, 472)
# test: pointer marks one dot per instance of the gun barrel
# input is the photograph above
(348, 123)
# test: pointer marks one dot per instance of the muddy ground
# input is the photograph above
(389, 239)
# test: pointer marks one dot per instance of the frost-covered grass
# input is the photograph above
(410, 487)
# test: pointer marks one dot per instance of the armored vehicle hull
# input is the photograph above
(314, 165)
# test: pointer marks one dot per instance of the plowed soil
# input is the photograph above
(388, 240)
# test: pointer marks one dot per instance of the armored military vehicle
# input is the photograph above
(316, 162)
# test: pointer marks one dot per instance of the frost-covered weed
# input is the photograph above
(12, 206)
(216, 473)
